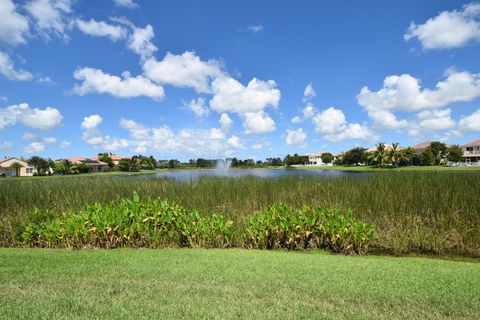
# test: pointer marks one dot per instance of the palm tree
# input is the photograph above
(380, 155)
(396, 154)
(17, 166)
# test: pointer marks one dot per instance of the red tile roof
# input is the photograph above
(114, 157)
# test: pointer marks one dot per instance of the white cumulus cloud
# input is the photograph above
(192, 142)
(232, 96)
(101, 29)
(130, 4)
(36, 118)
(7, 69)
(97, 81)
(140, 41)
(332, 124)
(37, 144)
(93, 136)
(404, 93)
(257, 122)
(197, 106)
(449, 29)
(296, 138)
(50, 16)
(225, 122)
(186, 70)
(13, 26)
(470, 123)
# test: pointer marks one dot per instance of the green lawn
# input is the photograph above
(391, 169)
(236, 283)
(96, 174)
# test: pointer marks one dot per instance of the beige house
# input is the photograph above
(421, 146)
(115, 159)
(15, 167)
(95, 165)
(471, 152)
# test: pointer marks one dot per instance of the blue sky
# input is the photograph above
(190, 79)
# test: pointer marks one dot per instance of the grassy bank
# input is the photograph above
(234, 283)
(427, 212)
(389, 169)
(85, 175)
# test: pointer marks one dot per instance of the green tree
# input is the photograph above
(327, 157)
(380, 156)
(427, 158)
(397, 155)
(439, 151)
(295, 160)
(409, 157)
(106, 158)
(455, 153)
(62, 167)
(17, 166)
(173, 163)
(40, 164)
(274, 162)
(354, 156)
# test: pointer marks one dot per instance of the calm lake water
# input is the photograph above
(185, 175)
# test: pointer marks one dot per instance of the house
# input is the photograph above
(421, 146)
(96, 165)
(471, 152)
(15, 167)
(315, 159)
(115, 159)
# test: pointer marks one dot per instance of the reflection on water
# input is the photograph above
(185, 175)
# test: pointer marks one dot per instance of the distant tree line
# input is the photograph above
(437, 153)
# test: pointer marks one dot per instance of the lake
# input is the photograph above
(185, 175)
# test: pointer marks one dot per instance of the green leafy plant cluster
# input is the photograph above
(281, 226)
(131, 223)
(160, 223)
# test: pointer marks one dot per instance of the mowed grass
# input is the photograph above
(390, 169)
(232, 284)
(426, 212)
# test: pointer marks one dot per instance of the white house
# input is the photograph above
(15, 167)
(471, 152)
(315, 159)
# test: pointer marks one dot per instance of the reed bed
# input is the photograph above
(424, 212)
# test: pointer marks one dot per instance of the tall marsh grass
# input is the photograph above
(427, 212)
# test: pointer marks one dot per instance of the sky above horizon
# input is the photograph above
(251, 79)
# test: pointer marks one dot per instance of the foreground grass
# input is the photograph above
(426, 212)
(222, 284)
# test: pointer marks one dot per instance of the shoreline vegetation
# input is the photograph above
(414, 211)
(332, 168)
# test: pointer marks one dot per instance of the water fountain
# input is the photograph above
(222, 167)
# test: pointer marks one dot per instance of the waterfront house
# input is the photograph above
(419, 148)
(95, 165)
(315, 159)
(471, 152)
(115, 159)
(15, 167)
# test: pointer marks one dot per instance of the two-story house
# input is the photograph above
(471, 152)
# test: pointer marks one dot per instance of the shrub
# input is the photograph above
(132, 222)
(284, 227)
(159, 223)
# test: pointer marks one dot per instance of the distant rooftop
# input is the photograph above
(471, 144)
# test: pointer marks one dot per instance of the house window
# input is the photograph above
(29, 170)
